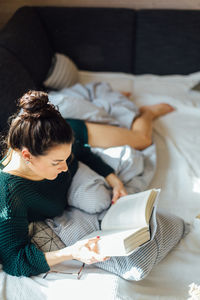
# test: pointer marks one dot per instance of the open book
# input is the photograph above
(125, 225)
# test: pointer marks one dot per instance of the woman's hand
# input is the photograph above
(117, 185)
(87, 251)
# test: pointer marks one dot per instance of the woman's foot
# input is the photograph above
(157, 110)
(126, 94)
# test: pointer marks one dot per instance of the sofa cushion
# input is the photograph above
(96, 39)
(167, 42)
(14, 82)
(25, 37)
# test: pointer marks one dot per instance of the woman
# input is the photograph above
(34, 186)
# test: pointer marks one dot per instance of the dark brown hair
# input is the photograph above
(38, 125)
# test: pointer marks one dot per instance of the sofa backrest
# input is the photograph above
(105, 39)
(25, 58)
(167, 42)
(97, 39)
(14, 81)
(25, 38)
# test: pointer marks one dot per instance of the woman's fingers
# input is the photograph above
(117, 193)
(87, 251)
(92, 244)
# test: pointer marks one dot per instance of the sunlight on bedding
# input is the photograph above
(196, 185)
(135, 273)
(127, 153)
(79, 288)
(116, 152)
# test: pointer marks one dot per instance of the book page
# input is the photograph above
(119, 242)
(128, 212)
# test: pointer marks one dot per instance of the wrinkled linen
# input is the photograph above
(95, 102)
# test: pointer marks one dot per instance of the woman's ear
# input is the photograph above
(26, 155)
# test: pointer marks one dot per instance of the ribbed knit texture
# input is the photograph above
(23, 201)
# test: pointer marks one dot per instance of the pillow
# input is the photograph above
(63, 73)
(44, 238)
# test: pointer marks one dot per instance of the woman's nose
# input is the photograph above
(64, 167)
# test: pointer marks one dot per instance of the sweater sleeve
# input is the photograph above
(18, 255)
(85, 155)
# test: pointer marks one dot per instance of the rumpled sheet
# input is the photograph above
(95, 102)
(177, 141)
(98, 102)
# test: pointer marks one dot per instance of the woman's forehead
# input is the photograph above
(59, 152)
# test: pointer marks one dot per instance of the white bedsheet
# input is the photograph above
(177, 139)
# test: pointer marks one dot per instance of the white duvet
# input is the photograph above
(177, 140)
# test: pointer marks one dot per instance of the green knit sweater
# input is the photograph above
(23, 201)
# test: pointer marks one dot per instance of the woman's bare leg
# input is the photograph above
(138, 137)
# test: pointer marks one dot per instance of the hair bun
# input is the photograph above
(34, 102)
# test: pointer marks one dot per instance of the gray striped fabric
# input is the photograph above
(167, 230)
(63, 74)
(170, 230)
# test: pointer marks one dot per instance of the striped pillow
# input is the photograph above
(63, 73)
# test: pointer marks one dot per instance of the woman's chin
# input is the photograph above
(52, 177)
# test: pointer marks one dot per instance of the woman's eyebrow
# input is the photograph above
(58, 159)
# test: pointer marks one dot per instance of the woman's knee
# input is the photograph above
(140, 141)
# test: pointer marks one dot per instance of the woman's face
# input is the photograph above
(48, 166)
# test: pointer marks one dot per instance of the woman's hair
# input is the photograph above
(38, 125)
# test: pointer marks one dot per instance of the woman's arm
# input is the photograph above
(22, 258)
(84, 154)
(18, 255)
(117, 185)
(84, 251)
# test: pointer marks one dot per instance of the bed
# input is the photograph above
(176, 137)
(148, 42)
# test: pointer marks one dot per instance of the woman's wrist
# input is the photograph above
(113, 180)
(117, 186)
(58, 256)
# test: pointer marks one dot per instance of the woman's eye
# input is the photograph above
(54, 164)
